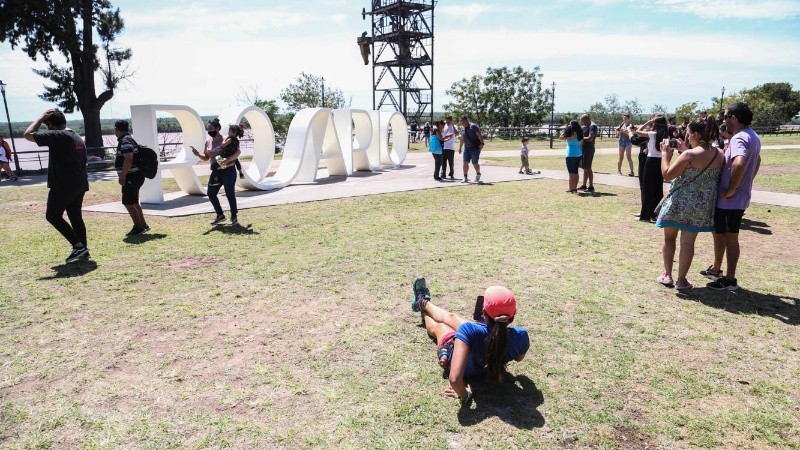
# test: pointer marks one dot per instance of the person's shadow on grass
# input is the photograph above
(232, 229)
(75, 269)
(779, 307)
(515, 402)
(596, 194)
(142, 238)
(755, 226)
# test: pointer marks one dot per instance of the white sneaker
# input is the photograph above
(465, 180)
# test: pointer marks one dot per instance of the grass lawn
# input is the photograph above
(296, 332)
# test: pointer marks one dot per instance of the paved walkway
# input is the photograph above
(416, 173)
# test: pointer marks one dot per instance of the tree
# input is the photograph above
(503, 97)
(686, 111)
(46, 28)
(773, 104)
(610, 112)
(599, 113)
(468, 99)
(307, 92)
(634, 108)
(252, 96)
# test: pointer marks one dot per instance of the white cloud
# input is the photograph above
(468, 11)
(735, 9)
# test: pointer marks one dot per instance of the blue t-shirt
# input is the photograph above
(573, 148)
(474, 335)
(435, 145)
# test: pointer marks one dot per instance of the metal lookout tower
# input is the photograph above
(402, 56)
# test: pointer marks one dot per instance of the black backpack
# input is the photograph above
(146, 159)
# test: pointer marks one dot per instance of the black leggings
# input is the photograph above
(447, 157)
(218, 179)
(437, 164)
(71, 201)
(653, 190)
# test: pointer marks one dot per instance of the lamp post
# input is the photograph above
(323, 91)
(552, 112)
(10, 131)
(722, 97)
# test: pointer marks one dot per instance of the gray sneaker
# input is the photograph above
(477, 178)
(77, 254)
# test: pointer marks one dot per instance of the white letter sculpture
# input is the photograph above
(348, 140)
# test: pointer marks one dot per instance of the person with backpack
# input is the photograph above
(223, 169)
(468, 350)
(131, 177)
(472, 142)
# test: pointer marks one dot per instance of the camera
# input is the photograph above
(673, 143)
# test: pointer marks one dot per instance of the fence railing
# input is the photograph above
(605, 131)
(36, 160)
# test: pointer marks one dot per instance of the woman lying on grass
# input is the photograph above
(468, 349)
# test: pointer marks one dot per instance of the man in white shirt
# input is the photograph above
(448, 154)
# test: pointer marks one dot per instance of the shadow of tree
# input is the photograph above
(75, 269)
(755, 226)
(232, 229)
(142, 238)
(515, 402)
(783, 308)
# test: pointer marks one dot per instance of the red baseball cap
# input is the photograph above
(499, 301)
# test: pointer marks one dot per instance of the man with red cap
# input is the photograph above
(467, 349)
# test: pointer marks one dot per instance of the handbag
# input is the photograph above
(675, 189)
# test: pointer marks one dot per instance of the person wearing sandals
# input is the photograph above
(689, 206)
(223, 172)
(625, 145)
(573, 134)
(468, 349)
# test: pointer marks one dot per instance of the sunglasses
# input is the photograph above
(728, 116)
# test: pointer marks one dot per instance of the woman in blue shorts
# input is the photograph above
(625, 143)
(470, 349)
(573, 134)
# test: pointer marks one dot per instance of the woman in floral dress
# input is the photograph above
(689, 207)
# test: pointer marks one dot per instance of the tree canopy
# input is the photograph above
(502, 97)
(307, 92)
(46, 28)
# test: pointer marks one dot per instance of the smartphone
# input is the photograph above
(477, 315)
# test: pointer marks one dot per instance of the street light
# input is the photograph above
(10, 131)
(552, 112)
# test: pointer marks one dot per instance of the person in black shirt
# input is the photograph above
(130, 177)
(66, 178)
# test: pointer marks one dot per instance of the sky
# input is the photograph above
(203, 54)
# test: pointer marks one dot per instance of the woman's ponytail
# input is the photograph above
(496, 348)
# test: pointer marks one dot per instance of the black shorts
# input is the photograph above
(573, 164)
(587, 158)
(727, 220)
(130, 190)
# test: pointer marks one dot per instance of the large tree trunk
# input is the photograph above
(94, 136)
(84, 84)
